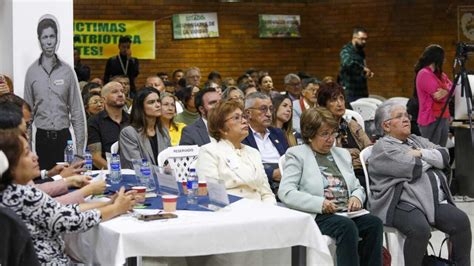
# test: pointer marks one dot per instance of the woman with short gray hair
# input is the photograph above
(409, 190)
(318, 179)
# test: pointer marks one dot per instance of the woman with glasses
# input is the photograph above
(168, 113)
(307, 100)
(409, 188)
(432, 88)
(317, 178)
(238, 165)
(145, 138)
(93, 104)
(352, 137)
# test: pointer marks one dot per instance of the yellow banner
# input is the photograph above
(98, 39)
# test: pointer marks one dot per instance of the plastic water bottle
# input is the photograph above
(88, 162)
(115, 176)
(146, 178)
(69, 152)
(192, 185)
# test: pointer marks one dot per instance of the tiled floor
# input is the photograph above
(437, 237)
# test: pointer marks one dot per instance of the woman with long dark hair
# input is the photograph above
(432, 88)
(145, 138)
(283, 117)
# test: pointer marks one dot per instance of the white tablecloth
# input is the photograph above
(242, 226)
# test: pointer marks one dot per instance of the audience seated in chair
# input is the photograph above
(351, 135)
(293, 86)
(190, 112)
(65, 177)
(283, 118)
(197, 133)
(46, 219)
(307, 100)
(237, 164)
(145, 138)
(168, 113)
(269, 141)
(318, 179)
(410, 190)
(104, 128)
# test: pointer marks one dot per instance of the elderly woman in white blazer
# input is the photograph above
(238, 165)
(318, 178)
(145, 138)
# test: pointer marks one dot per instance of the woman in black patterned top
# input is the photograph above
(45, 218)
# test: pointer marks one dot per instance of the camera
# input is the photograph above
(463, 48)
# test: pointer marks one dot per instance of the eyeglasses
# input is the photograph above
(237, 118)
(263, 109)
(294, 84)
(327, 135)
(400, 116)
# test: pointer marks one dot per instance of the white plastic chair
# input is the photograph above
(370, 100)
(365, 109)
(114, 148)
(331, 242)
(375, 96)
(401, 100)
(349, 114)
(396, 250)
(179, 158)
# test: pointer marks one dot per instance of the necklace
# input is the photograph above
(124, 69)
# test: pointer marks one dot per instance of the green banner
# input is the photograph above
(98, 39)
(279, 26)
(196, 25)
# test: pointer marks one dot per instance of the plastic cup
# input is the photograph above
(202, 188)
(140, 193)
(169, 202)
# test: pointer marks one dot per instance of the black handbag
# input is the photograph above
(433, 260)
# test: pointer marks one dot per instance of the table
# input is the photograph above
(245, 225)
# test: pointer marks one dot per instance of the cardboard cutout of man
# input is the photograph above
(52, 90)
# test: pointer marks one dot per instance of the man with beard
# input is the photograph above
(123, 64)
(104, 128)
(52, 91)
(354, 71)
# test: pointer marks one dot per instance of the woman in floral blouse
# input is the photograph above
(45, 218)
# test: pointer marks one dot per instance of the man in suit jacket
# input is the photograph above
(269, 141)
(197, 133)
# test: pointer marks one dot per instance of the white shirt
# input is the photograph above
(268, 151)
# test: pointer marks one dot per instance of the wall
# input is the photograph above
(399, 30)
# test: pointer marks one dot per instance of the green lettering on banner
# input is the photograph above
(104, 27)
(136, 39)
(79, 26)
(122, 27)
(103, 38)
(91, 50)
